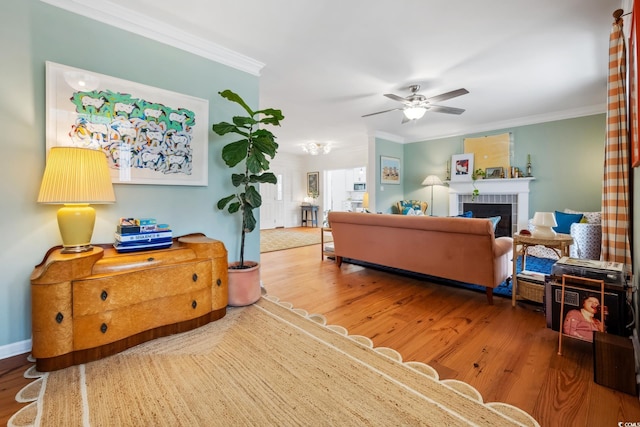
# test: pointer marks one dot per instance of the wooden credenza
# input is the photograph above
(94, 304)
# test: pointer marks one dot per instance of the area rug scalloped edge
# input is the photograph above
(264, 364)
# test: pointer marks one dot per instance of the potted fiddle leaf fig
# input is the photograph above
(248, 157)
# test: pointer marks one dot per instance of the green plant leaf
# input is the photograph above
(223, 202)
(231, 96)
(235, 152)
(223, 128)
(253, 197)
(238, 179)
(249, 221)
(245, 122)
(265, 178)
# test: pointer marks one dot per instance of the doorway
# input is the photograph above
(341, 194)
(272, 209)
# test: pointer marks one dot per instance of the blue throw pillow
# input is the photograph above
(565, 220)
(495, 220)
(467, 214)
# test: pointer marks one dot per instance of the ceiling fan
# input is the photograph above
(415, 105)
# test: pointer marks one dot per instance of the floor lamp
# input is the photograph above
(430, 181)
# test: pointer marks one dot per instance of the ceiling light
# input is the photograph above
(315, 148)
(414, 113)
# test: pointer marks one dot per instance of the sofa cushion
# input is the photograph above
(565, 220)
(495, 220)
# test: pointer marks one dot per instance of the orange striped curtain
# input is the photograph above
(615, 184)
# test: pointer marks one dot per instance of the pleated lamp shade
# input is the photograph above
(76, 177)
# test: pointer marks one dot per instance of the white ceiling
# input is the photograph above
(328, 62)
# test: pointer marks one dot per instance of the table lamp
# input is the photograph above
(430, 181)
(543, 221)
(76, 177)
(365, 202)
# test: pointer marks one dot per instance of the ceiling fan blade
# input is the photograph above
(448, 95)
(380, 112)
(396, 97)
(447, 110)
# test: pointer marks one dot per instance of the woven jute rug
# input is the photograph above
(265, 364)
(287, 238)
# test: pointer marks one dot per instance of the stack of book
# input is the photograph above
(141, 235)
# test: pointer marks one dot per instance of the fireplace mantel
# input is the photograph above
(515, 186)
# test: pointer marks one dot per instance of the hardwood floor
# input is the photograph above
(506, 353)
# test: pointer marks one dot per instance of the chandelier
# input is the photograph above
(315, 148)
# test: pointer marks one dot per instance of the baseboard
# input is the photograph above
(15, 349)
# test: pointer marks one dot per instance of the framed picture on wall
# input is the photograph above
(389, 170)
(149, 135)
(461, 167)
(313, 186)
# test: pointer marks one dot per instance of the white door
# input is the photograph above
(272, 209)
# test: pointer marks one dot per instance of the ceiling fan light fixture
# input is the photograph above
(414, 113)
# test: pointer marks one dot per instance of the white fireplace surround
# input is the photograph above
(488, 190)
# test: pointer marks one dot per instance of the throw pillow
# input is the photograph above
(565, 220)
(467, 214)
(589, 217)
(407, 210)
(495, 220)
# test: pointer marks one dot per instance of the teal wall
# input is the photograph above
(566, 155)
(32, 33)
(388, 194)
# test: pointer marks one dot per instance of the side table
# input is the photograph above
(309, 214)
(560, 243)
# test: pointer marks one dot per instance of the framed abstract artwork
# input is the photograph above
(389, 170)
(313, 185)
(461, 167)
(149, 135)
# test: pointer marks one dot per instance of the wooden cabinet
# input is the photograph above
(94, 304)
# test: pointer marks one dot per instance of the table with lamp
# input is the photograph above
(543, 235)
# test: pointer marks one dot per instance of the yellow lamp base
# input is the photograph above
(76, 222)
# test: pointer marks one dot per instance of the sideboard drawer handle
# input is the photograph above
(194, 277)
(104, 295)
(59, 317)
(103, 328)
(150, 259)
(194, 304)
(219, 282)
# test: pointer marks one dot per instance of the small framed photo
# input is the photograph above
(389, 170)
(497, 172)
(461, 167)
(313, 186)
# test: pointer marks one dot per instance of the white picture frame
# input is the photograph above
(461, 167)
(149, 135)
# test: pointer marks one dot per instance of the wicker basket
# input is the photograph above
(530, 290)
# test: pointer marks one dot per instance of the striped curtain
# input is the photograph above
(615, 184)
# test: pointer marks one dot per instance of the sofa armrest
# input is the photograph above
(587, 240)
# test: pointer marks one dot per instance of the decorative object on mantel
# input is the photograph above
(478, 173)
(315, 148)
(250, 152)
(76, 177)
(430, 181)
(543, 222)
(529, 165)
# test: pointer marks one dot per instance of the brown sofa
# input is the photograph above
(459, 249)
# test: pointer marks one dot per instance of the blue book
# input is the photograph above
(142, 246)
(143, 237)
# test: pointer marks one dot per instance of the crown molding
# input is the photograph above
(117, 16)
(388, 136)
(524, 121)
